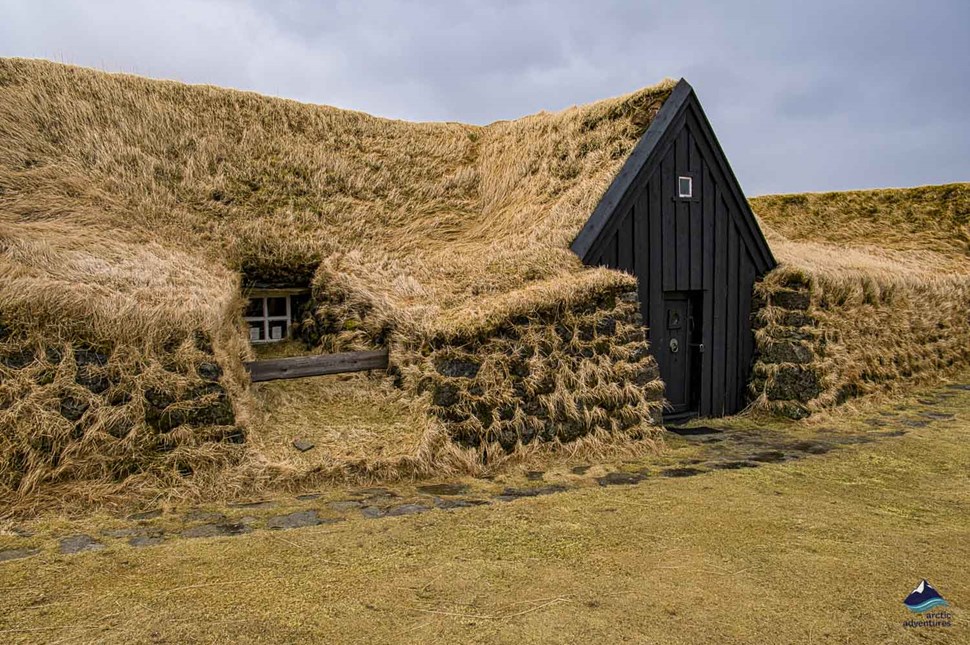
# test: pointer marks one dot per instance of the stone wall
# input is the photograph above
(555, 376)
(80, 411)
(789, 346)
(822, 341)
(333, 319)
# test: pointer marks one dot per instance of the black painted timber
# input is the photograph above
(316, 365)
(708, 248)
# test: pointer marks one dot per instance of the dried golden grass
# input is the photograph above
(129, 209)
(431, 218)
(889, 274)
(921, 219)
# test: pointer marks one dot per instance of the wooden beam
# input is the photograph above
(316, 365)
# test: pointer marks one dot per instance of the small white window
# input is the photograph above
(685, 186)
(268, 318)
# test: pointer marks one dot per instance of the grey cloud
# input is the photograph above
(804, 96)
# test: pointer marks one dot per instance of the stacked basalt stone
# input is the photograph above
(556, 375)
(101, 396)
(788, 350)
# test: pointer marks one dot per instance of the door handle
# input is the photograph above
(674, 346)
(699, 346)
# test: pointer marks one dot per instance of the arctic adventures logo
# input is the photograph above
(920, 601)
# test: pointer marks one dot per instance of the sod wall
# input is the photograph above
(823, 341)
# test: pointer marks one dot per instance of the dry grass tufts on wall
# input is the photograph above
(132, 211)
(872, 295)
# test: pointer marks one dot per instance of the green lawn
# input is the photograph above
(819, 550)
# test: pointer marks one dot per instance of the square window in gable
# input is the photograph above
(685, 187)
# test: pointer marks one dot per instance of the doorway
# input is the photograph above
(681, 367)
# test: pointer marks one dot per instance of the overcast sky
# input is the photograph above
(817, 95)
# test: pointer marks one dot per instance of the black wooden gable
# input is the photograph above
(680, 108)
(696, 258)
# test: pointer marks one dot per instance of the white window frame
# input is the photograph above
(690, 187)
(266, 319)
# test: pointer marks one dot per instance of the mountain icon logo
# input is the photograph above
(923, 598)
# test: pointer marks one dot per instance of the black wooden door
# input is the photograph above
(678, 364)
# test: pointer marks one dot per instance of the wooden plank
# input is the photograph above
(270, 292)
(746, 349)
(608, 254)
(720, 294)
(707, 364)
(641, 252)
(696, 216)
(683, 245)
(654, 321)
(616, 249)
(708, 208)
(667, 205)
(731, 342)
(316, 365)
(624, 260)
(683, 214)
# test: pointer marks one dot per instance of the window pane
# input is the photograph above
(684, 186)
(276, 306)
(256, 331)
(277, 330)
(255, 308)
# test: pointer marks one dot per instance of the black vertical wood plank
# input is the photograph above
(683, 244)
(682, 214)
(744, 326)
(657, 262)
(708, 208)
(642, 253)
(609, 258)
(707, 363)
(731, 344)
(669, 239)
(625, 238)
(696, 217)
(720, 287)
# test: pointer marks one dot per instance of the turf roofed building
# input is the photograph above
(215, 222)
(562, 278)
(675, 218)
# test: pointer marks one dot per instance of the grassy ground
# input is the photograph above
(819, 550)
(346, 418)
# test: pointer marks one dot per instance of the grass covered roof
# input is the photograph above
(132, 211)
(889, 233)
(129, 206)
